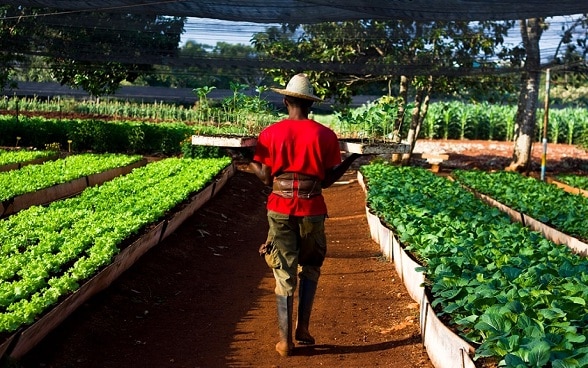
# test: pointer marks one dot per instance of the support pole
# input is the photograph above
(545, 123)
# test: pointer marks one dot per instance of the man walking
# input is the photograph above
(298, 157)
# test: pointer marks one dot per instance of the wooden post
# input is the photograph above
(545, 123)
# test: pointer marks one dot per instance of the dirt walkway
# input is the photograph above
(204, 298)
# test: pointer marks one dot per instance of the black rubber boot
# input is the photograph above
(285, 308)
(306, 293)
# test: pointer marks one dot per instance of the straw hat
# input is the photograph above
(299, 86)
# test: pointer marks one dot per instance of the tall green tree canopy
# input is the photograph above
(95, 51)
(14, 39)
(117, 47)
(384, 50)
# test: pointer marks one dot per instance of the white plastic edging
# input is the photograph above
(397, 257)
(373, 222)
(414, 280)
(385, 236)
(444, 348)
(361, 182)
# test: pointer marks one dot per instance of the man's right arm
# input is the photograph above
(245, 156)
(262, 172)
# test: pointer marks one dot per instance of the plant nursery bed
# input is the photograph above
(18, 165)
(64, 190)
(346, 145)
(578, 246)
(204, 297)
(567, 188)
(15, 345)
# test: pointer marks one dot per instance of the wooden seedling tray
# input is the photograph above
(347, 145)
(223, 141)
(373, 147)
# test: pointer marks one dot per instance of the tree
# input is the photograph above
(346, 43)
(525, 119)
(201, 65)
(250, 76)
(574, 56)
(14, 39)
(117, 47)
(189, 76)
(570, 67)
(93, 51)
(429, 56)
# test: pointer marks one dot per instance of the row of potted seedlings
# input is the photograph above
(49, 253)
(516, 297)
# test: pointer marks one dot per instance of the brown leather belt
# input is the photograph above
(305, 186)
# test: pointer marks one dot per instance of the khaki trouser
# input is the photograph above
(298, 242)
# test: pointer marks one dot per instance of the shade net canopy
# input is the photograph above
(316, 11)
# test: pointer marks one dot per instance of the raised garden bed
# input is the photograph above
(64, 190)
(568, 188)
(16, 344)
(35, 161)
(478, 266)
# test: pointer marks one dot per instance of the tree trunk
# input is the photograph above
(402, 97)
(525, 120)
(421, 106)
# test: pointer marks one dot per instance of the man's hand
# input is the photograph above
(242, 154)
(264, 249)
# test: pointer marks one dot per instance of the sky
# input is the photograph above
(210, 31)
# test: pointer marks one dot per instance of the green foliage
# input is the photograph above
(514, 295)
(118, 46)
(32, 178)
(95, 135)
(190, 150)
(76, 54)
(387, 49)
(252, 112)
(96, 78)
(203, 106)
(245, 114)
(459, 120)
(48, 251)
(15, 26)
(533, 197)
(373, 120)
(576, 181)
(22, 155)
(568, 125)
